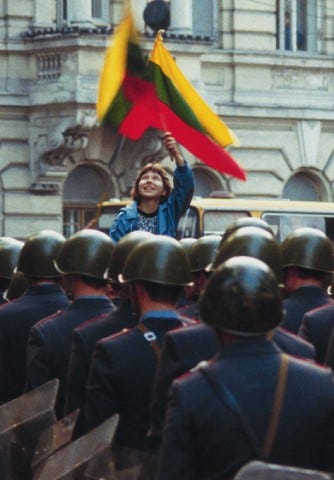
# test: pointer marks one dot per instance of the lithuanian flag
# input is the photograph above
(134, 96)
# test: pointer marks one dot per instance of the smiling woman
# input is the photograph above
(157, 207)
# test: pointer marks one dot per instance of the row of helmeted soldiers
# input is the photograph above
(209, 349)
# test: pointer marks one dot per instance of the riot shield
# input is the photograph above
(88, 457)
(53, 438)
(257, 470)
(21, 421)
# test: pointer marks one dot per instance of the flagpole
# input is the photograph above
(117, 151)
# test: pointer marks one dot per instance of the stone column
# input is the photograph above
(138, 7)
(45, 12)
(80, 12)
(181, 13)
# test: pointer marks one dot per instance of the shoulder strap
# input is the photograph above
(228, 399)
(277, 405)
(151, 338)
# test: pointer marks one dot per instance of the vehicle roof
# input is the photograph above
(250, 204)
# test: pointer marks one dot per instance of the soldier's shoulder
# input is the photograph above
(44, 322)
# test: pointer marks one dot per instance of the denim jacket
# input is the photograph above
(169, 212)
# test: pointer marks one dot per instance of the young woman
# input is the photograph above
(157, 207)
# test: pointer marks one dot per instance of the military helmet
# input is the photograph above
(160, 259)
(122, 250)
(10, 249)
(246, 222)
(203, 251)
(242, 297)
(187, 242)
(87, 252)
(308, 248)
(38, 253)
(251, 242)
(17, 286)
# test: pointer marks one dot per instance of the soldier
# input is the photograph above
(123, 365)
(88, 333)
(246, 222)
(308, 262)
(9, 253)
(83, 262)
(201, 254)
(251, 401)
(43, 297)
(184, 348)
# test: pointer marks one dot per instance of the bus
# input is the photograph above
(207, 216)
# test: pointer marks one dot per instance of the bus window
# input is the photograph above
(107, 217)
(215, 222)
(285, 223)
(329, 221)
(188, 224)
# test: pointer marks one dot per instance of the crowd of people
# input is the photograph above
(213, 351)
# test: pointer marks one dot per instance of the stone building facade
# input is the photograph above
(265, 66)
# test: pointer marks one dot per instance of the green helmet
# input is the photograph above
(38, 253)
(187, 242)
(242, 297)
(10, 249)
(246, 222)
(18, 284)
(122, 250)
(87, 252)
(251, 242)
(203, 251)
(160, 259)
(308, 248)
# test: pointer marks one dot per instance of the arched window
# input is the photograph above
(206, 182)
(83, 189)
(305, 185)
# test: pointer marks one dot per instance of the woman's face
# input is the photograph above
(151, 186)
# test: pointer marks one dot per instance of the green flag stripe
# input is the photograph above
(167, 93)
(117, 111)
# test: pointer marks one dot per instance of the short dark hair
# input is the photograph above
(93, 282)
(157, 168)
(162, 292)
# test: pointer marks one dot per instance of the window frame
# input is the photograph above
(312, 25)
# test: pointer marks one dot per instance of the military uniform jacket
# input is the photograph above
(83, 342)
(204, 438)
(121, 378)
(301, 301)
(49, 343)
(16, 319)
(316, 328)
(182, 350)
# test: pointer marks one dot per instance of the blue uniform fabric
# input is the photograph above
(169, 212)
(84, 340)
(16, 319)
(121, 378)
(49, 344)
(202, 438)
(301, 301)
(183, 349)
(316, 328)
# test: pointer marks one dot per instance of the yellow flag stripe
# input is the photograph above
(114, 68)
(211, 122)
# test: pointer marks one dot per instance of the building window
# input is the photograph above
(297, 25)
(194, 18)
(95, 10)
